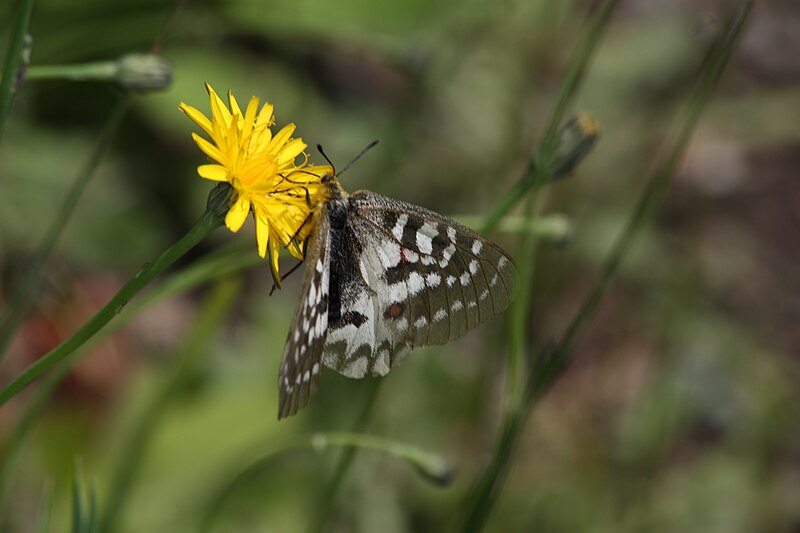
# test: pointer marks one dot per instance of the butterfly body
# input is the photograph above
(383, 277)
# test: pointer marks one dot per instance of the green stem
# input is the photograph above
(11, 69)
(549, 367)
(211, 316)
(714, 65)
(552, 227)
(519, 316)
(543, 166)
(328, 499)
(209, 221)
(430, 465)
(23, 294)
(16, 439)
(99, 70)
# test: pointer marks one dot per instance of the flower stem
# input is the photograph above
(11, 69)
(208, 222)
(543, 166)
(98, 70)
(207, 323)
(430, 465)
(328, 499)
(550, 366)
(23, 293)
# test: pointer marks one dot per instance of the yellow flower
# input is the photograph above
(263, 170)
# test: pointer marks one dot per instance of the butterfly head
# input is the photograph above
(333, 189)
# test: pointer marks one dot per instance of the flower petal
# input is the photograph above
(274, 253)
(250, 117)
(234, 105)
(197, 117)
(281, 138)
(214, 172)
(290, 152)
(219, 112)
(262, 232)
(210, 150)
(237, 214)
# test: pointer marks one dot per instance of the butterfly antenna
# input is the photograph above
(321, 151)
(366, 149)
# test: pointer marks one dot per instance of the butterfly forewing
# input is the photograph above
(299, 374)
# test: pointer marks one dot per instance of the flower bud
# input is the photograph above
(143, 72)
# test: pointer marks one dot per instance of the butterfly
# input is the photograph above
(382, 277)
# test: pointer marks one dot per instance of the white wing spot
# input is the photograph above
(477, 246)
(296, 335)
(401, 324)
(427, 260)
(439, 315)
(433, 280)
(456, 306)
(390, 254)
(472, 304)
(420, 322)
(319, 265)
(464, 279)
(451, 280)
(424, 239)
(502, 262)
(381, 365)
(473, 267)
(306, 376)
(493, 281)
(451, 234)
(297, 379)
(484, 294)
(398, 292)
(315, 369)
(312, 294)
(415, 283)
(397, 230)
(448, 252)
(356, 368)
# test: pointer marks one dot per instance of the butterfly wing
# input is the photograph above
(299, 373)
(411, 277)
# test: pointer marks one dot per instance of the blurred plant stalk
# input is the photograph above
(431, 466)
(23, 293)
(14, 60)
(131, 72)
(570, 144)
(212, 218)
(210, 319)
(550, 365)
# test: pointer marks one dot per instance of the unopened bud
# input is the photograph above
(143, 72)
(577, 138)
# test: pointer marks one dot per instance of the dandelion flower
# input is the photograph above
(270, 174)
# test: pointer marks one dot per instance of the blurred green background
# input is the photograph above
(681, 410)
